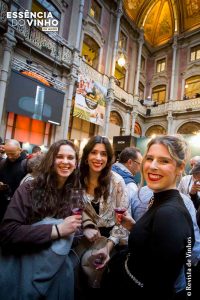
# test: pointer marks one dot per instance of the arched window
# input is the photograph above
(137, 129)
(120, 73)
(192, 87)
(116, 124)
(159, 94)
(189, 128)
(90, 51)
(115, 118)
(156, 129)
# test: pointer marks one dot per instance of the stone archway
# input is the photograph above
(155, 129)
(189, 128)
(137, 129)
(115, 124)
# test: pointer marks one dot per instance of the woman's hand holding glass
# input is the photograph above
(77, 206)
(98, 260)
(70, 225)
(120, 209)
(125, 220)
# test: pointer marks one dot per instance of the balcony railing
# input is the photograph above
(123, 95)
(48, 45)
(89, 72)
(186, 105)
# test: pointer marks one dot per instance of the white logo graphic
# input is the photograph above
(45, 20)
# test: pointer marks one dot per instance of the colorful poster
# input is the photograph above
(90, 101)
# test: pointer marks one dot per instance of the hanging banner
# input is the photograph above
(90, 101)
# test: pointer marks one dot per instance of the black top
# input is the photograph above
(157, 246)
(158, 243)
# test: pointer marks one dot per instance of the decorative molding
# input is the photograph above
(93, 29)
(3, 11)
(89, 72)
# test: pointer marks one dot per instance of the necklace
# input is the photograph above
(151, 201)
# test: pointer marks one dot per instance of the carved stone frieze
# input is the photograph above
(186, 105)
(89, 72)
(159, 77)
(66, 55)
(3, 11)
(94, 30)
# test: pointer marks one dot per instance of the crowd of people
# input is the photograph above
(158, 254)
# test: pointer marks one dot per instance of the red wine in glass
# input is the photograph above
(77, 211)
(120, 210)
(77, 201)
(98, 261)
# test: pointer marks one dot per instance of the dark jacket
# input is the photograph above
(11, 173)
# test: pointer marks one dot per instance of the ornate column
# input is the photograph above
(62, 131)
(109, 101)
(119, 14)
(71, 81)
(128, 120)
(134, 117)
(9, 43)
(134, 113)
(110, 97)
(137, 77)
(174, 46)
(73, 76)
(80, 19)
(170, 129)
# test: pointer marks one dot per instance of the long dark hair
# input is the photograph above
(104, 178)
(47, 199)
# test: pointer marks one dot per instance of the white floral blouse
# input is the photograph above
(106, 217)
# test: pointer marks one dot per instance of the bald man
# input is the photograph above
(194, 160)
(12, 170)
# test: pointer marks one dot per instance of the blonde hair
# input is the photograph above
(178, 149)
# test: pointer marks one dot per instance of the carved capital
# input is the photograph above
(134, 114)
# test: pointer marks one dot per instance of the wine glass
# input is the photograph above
(77, 206)
(99, 253)
(77, 201)
(118, 230)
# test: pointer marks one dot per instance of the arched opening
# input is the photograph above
(155, 130)
(137, 129)
(120, 74)
(116, 123)
(192, 87)
(189, 128)
(90, 51)
(159, 94)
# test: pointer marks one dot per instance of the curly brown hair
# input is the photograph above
(47, 199)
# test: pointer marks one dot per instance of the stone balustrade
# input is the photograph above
(186, 105)
(122, 95)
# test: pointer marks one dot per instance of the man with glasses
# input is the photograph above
(128, 166)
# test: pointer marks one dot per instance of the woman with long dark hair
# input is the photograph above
(104, 188)
(37, 231)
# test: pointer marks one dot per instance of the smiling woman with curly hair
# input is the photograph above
(38, 229)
